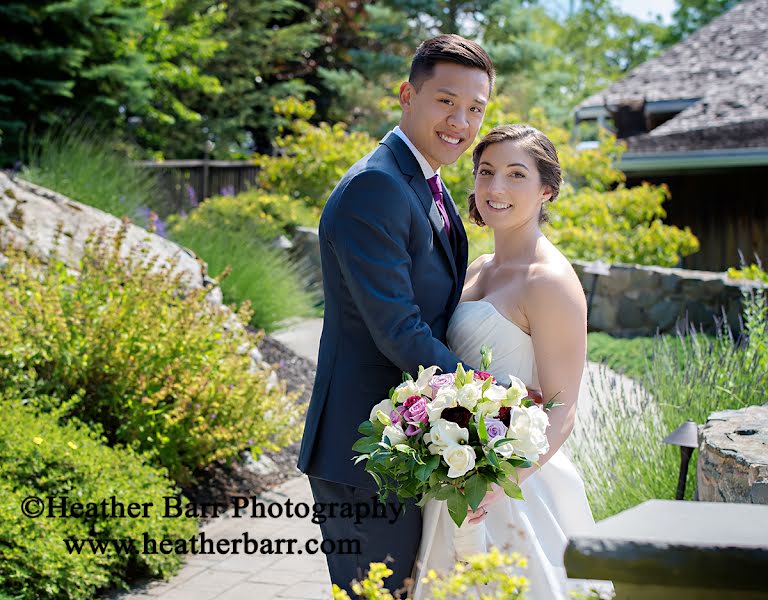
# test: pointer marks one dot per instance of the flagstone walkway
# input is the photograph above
(300, 576)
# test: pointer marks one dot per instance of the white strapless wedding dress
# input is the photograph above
(555, 503)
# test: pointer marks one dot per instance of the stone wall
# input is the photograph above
(636, 300)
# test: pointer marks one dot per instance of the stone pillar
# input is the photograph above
(676, 550)
(733, 457)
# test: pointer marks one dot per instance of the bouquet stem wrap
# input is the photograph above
(469, 539)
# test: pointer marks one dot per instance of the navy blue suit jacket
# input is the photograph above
(391, 282)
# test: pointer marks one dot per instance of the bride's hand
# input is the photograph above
(495, 494)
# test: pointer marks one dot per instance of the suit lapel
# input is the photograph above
(410, 167)
(462, 246)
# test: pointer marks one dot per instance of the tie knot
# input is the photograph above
(434, 185)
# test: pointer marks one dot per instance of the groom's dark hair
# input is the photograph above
(450, 48)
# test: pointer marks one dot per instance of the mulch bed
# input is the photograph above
(218, 482)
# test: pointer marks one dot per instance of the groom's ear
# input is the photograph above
(406, 94)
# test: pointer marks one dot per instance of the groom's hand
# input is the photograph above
(495, 494)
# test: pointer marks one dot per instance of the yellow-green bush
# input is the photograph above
(311, 158)
(254, 212)
(491, 576)
(40, 457)
(153, 367)
(751, 272)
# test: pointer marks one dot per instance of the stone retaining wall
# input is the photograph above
(636, 300)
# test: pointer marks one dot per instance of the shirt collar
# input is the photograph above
(426, 168)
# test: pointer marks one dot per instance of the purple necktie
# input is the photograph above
(437, 194)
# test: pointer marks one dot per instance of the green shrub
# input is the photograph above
(311, 158)
(254, 212)
(160, 370)
(256, 273)
(81, 162)
(619, 449)
(42, 458)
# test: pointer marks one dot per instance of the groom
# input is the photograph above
(394, 256)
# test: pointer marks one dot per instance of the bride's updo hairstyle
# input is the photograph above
(538, 146)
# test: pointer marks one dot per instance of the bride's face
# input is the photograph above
(508, 188)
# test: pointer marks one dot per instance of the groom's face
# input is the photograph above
(443, 116)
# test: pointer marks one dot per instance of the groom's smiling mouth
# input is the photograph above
(449, 139)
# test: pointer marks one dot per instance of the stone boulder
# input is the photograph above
(30, 215)
(733, 456)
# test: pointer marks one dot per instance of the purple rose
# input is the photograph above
(439, 381)
(417, 412)
(397, 414)
(495, 428)
(412, 430)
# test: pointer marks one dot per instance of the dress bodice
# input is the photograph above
(477, 323)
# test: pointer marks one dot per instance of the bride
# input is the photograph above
(526, 302)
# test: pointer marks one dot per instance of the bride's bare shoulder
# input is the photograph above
(552, 282)
(477, 265)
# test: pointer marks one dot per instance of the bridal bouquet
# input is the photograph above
(450, 436)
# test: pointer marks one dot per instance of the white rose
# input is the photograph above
(516, 392)
(384, 406)
(443, 434)
(469, 395)
(395, 434)
(460, 460)
(528, 425)
(405, 390)
(445, 398)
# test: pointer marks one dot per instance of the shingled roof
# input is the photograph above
(722, 69)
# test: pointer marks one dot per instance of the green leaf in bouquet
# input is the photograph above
(474, 489)
(366, 428)
(457, 506)
(392, 393)
(407, 377)
(424, 471)
(482, 430)
(502, 441)
(361, 458)
(493, 458)
(486, 385)
(365, 445)
(444, 492)
(511, 489)
(474, 437)
(509, 469)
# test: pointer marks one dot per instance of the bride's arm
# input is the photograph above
(557, 316)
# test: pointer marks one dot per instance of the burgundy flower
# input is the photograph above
(458, 415)
(482, 376)
(504, 412)
(410, 401)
